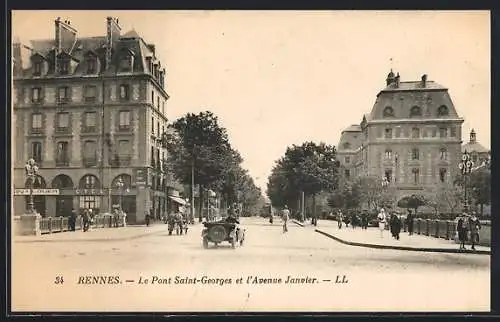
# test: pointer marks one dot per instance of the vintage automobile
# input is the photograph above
(220, 231)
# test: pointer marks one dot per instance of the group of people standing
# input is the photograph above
(354, 220)
(468, 226)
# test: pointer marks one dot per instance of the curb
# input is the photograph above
(298, 223)
(88, 240)
(414, 249)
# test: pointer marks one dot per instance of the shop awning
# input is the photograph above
(178, 200)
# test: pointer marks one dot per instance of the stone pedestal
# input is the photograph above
(30, 225)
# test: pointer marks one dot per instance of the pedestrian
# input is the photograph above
(340, 219)
(382, 219)
(285, 217)
(148, 218)
(474, 227)
(85, 220)
(364, 220)
(72, 220)
(395, 226)
(409, 222)
(271, 218)
(462, 230)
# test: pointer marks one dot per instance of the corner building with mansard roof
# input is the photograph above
(90, 111)
(411, 137)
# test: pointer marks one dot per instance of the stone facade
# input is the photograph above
(411, 137)
(86, 121)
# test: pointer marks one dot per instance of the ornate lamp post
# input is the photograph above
(31, 172)
(385, 183)
(465, 167)
(120, 184)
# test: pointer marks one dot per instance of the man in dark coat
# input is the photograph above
(462, 230)
(395, 225)
(72, 220)
(474, 227)
(409, 222)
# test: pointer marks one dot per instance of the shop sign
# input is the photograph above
(89, 192)
(141, 176)
(36, 192)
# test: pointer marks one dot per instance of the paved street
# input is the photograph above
(378, 280)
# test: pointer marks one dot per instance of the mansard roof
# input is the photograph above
(401, 98)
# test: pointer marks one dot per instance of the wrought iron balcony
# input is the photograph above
(89, 162)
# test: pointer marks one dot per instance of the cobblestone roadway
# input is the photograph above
(378, 280)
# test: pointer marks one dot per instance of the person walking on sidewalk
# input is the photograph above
(382, 219)
(474, 227)
(86, 220)
(340, 219)
(462, 230)
(409, 222)
(285, 216)
(72, 220)
(395, 225)
(364, 220)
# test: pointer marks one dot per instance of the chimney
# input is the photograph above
(397, 80)
(17, 59)
(65, 35)
(113, 31)
(424, 80)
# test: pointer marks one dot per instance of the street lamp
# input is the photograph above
(31, 172)
(120, 184)
(465, 167)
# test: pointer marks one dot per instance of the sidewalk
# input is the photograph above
(100, 234)
(371, 238)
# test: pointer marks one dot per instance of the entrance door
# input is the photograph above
(64, 206)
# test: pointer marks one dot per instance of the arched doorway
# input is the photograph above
(90, 198)
(121, 196)
(38, 200)
(64, 203)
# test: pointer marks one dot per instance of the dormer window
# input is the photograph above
(415, 111)
(91, 65)
(127, 61)
(442, 111)
(388, 112)
(63, 66)
(37, 68)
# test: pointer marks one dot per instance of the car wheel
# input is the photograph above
(205, 243)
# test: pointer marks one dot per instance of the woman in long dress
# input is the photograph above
(382, 219)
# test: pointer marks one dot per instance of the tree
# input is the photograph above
(196, 142)
(480, 185)
(310, 168)
(412, 202)
(370, 190)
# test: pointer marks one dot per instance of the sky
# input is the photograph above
(277, 78)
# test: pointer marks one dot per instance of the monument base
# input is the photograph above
(30, 225)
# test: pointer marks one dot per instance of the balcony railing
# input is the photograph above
(63, 100)
(64, 129)
(36, 130)
(89, 129)
(62, 162)
(120, 160)
(89, 162)
(90, 99)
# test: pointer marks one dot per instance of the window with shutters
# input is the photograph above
(124, 124)
(36, 95)
(62, 154)
(36, 122)
(90, 122)
(36, 151)
(62, 122)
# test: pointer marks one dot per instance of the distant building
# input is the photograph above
(479, 154)
(91, 111)
(411, 137)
